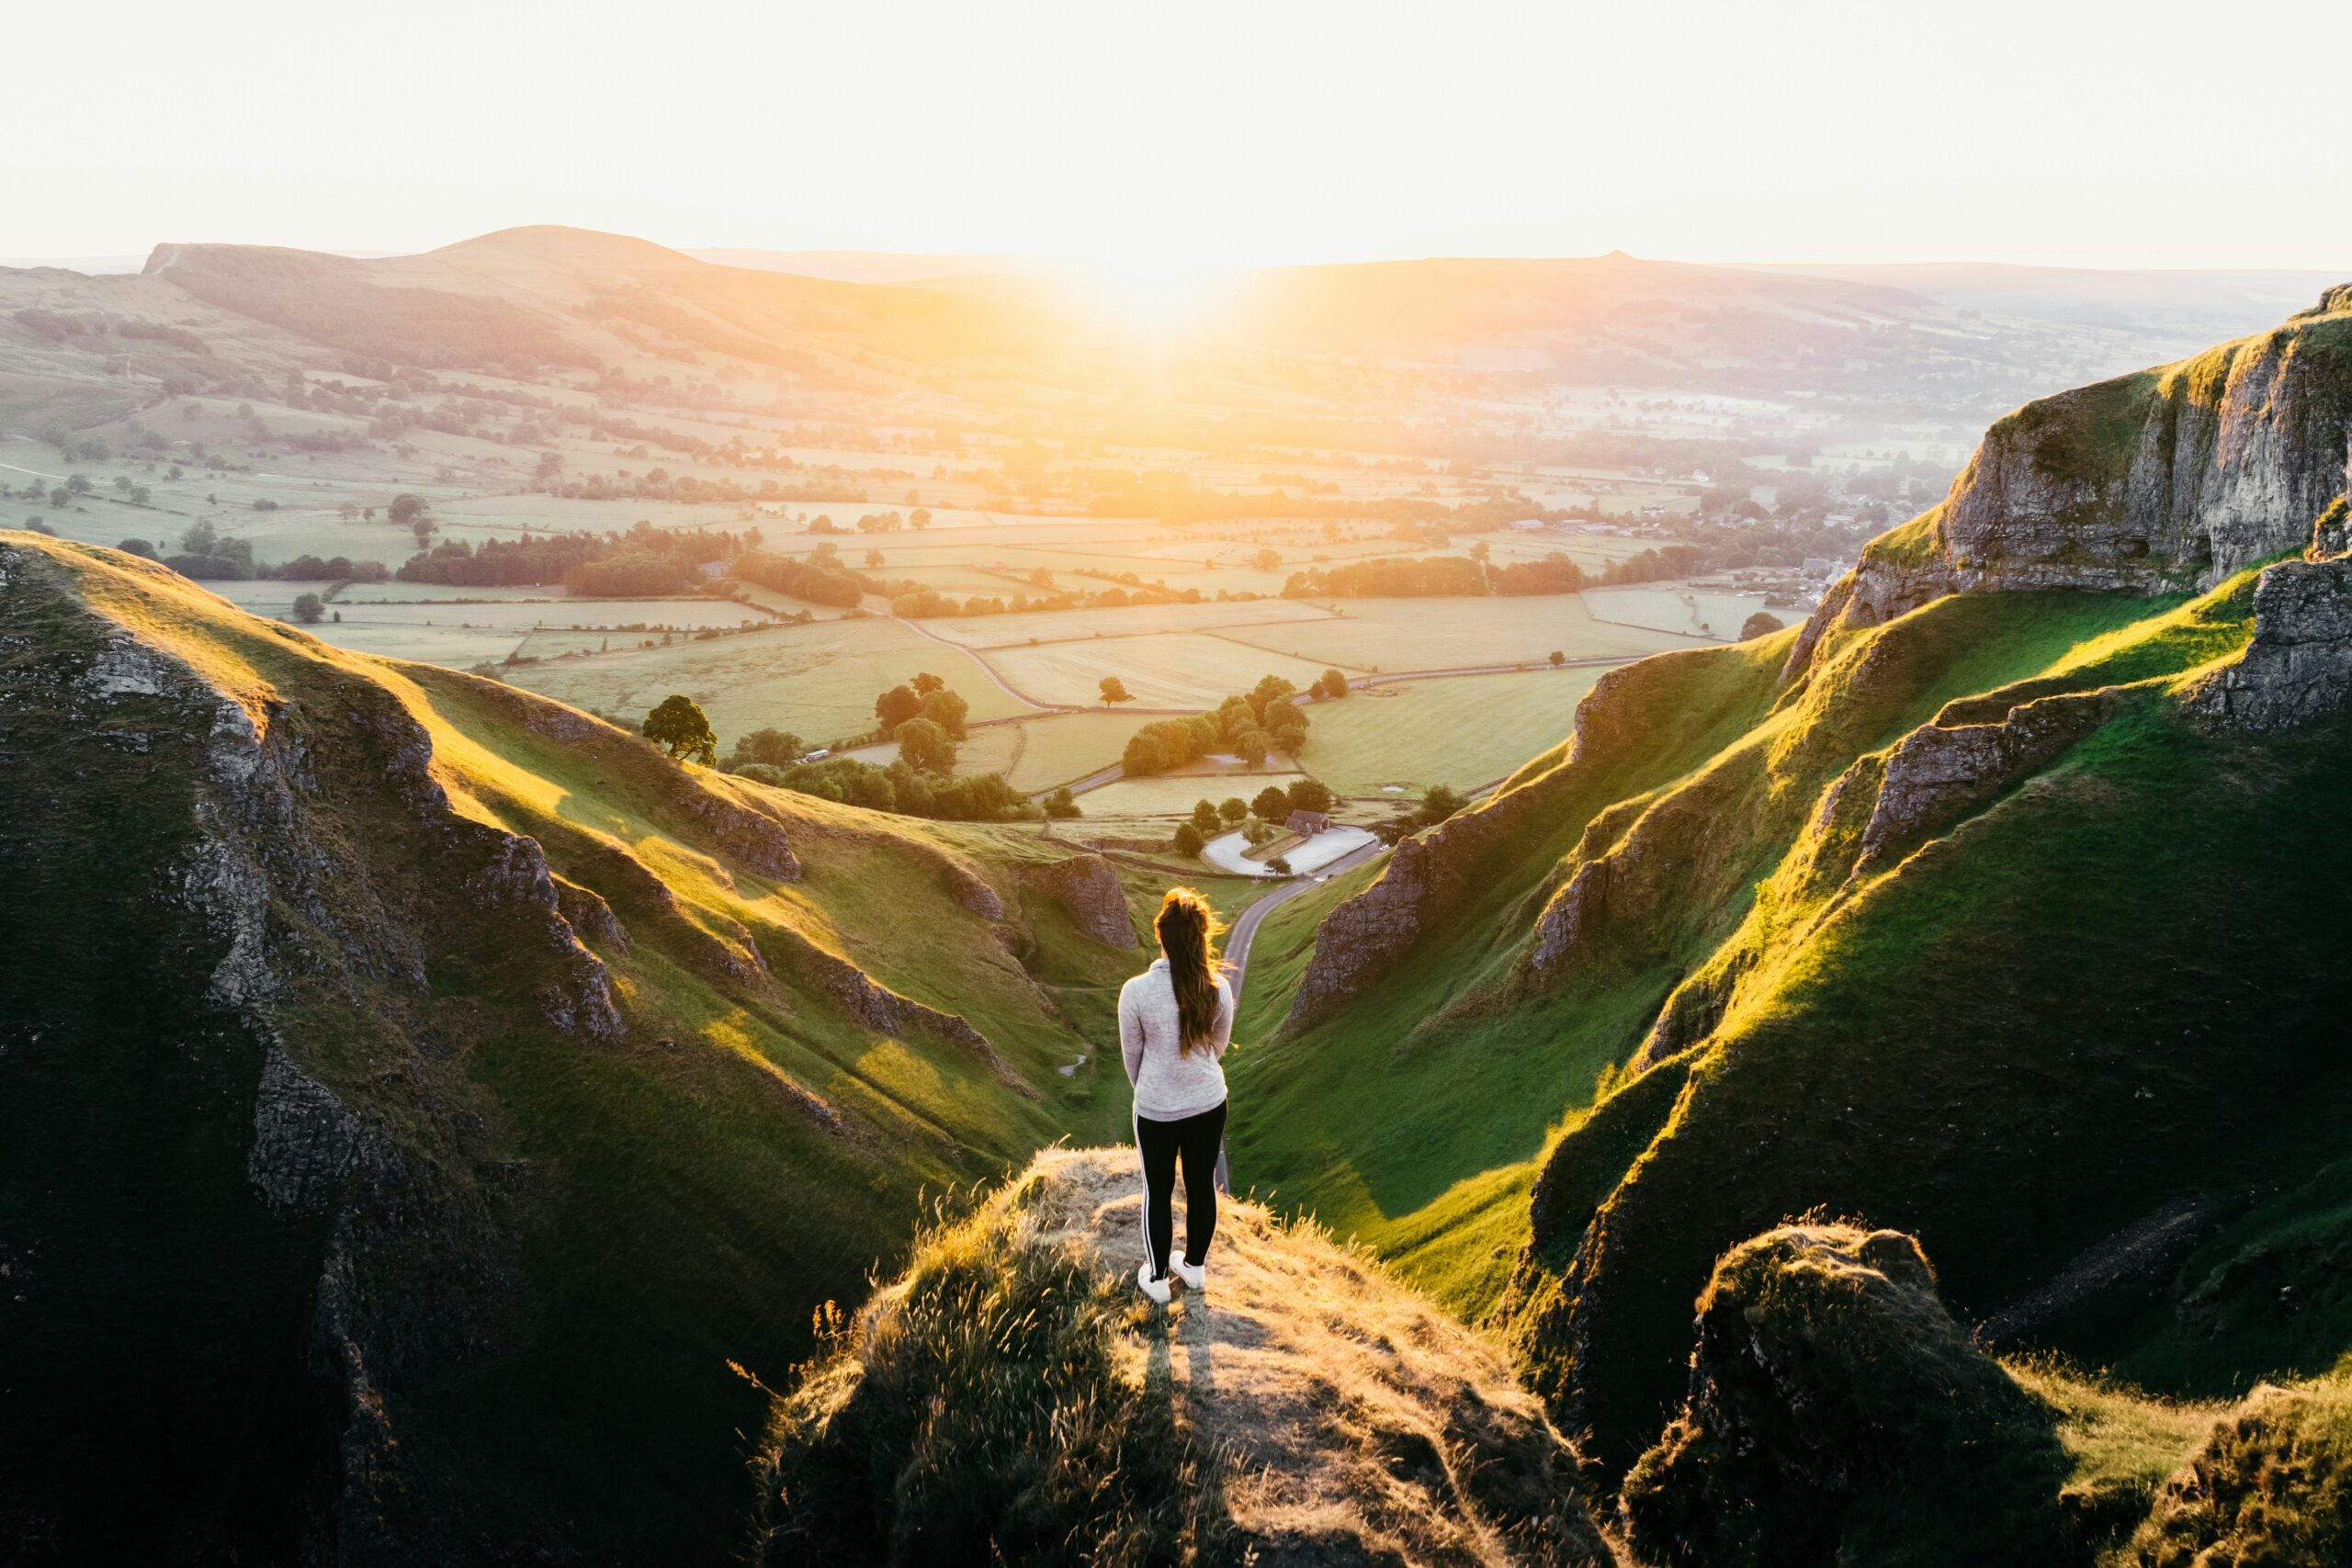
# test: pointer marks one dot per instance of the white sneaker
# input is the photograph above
(1156, 1289)
(1194, 1275)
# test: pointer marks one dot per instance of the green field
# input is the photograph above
(1463, 730)
(520, 616)
(1451, 633)
(1062, 625)
(399, 593)
(1163, 799)
(819, 682)
(1670, 609)
(457, 647)
(1180, 670)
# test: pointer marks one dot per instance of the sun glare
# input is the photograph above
(1153, 290)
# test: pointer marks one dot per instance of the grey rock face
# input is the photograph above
(2298, 667)
(752, 838)
(2168, 480)
(303, 1138)
(589, 915)
(1936, 774)
(1087, 886)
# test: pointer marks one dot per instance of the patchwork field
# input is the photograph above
(819, 682)
(1462, 730)
(1453, 633)
(1670, 609)
(458, 646)
(1063, 626)
(1161, 801)
(1177, 670)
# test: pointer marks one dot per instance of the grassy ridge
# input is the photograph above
(649, 1207)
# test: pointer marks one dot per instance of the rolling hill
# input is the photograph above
(393, 1063)
(1997, 905)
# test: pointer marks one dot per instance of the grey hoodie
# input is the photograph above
(1170, 1086)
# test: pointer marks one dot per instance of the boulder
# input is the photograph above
(1087, 886)
(1837, 1414)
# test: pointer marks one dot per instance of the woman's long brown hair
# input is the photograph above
(1187, 930)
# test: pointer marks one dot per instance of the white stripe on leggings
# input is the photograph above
(1143, 1214)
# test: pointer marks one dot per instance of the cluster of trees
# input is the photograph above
(1250, 725)
(1259, 817)
(1472, 576)
(916, 602)
(923, 700)
(915, 785)
(821, 578)
(1437, 804)
(209, 558)
(899, 787)
(643, 561)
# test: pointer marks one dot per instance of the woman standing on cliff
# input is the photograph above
(1175, 1021)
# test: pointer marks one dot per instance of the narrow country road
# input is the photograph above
(1245, 930)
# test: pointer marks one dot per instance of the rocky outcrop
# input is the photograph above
(590, 916)
(1323, 1414)
(577, 998)
(304, 1138)
(1935, 775)
(1087, 886)
(2168, 480)
(751, 838)
(1835, 1404)
(2299, 666)
(877, 1007)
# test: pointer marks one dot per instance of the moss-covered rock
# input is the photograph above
(1837, 1414)
(2272, 1488)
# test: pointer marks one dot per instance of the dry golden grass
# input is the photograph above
(1306, 1408)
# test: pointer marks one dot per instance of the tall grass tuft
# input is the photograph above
(976, 1412)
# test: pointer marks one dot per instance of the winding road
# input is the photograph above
(1245, 929)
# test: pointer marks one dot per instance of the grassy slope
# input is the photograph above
(1441, 1075)
(2122, 1033)
(681, 1209)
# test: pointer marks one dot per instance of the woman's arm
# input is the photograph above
(1225, 1007)
(1130, 1031)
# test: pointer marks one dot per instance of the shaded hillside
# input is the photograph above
(1010, 1398)
(412, 1091)
(1997, 905)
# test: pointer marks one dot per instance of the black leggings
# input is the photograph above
(1197, 1139)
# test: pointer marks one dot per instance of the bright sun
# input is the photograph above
(1156, 290)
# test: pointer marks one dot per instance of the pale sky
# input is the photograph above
(1176, 136)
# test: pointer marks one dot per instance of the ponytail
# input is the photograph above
(1188, 930)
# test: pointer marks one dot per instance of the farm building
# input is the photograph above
(1307, 824)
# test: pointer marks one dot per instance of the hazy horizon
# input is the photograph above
(1241, 139)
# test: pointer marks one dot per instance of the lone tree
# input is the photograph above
(1062, 805)
(1272, 804)
(405, 509)
(924, 746)
(1328, 687)
(1232, 810)
(1204, 817)
(680, 727)
(1189, 842)
(1558, 659)
(1114, 690)
(1761, 624)
(310, 609)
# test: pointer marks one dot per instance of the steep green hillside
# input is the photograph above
(1997, 904)
(392, 1063)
